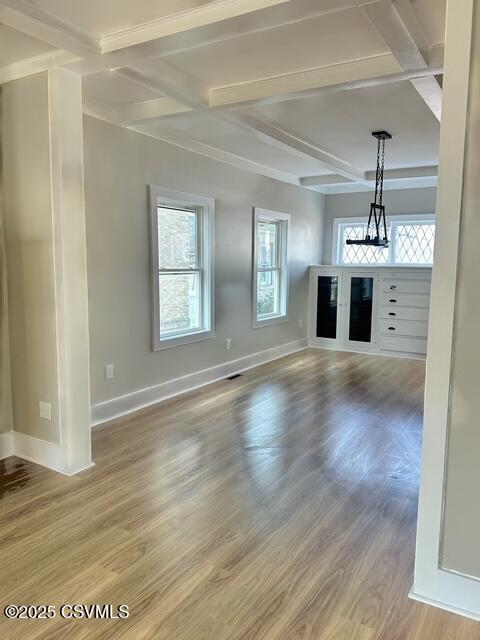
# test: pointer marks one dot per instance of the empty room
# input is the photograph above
(238, 320)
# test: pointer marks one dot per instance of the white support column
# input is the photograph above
(434, 585)
(70, 267)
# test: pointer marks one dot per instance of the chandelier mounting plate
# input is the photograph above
(381, 135)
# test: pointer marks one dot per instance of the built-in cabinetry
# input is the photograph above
(375, 309)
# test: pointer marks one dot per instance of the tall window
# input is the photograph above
(182, 267)
(270, 269)
(411, 243)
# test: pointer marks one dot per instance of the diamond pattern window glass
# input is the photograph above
(411, 243)
(357, 253)
(414, 243)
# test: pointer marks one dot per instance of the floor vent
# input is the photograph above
(235, 375)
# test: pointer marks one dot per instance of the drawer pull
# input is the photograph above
(393, 287)
(393, 300)
(392, 313)
(391, 328)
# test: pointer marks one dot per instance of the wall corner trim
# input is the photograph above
(123, 405)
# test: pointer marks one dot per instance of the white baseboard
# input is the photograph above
(39, 451)
(474, 615)
(117, 407)
(370, 352)
(6, 445)
(47, 454)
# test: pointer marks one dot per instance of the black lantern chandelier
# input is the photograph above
(376, 232)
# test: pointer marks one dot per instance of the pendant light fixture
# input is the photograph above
(376, 232)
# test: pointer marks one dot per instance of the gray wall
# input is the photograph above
(461, 542)
(29, 253)
(119, 164)
(6, 415)
(349, 205)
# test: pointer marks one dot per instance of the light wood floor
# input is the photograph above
(277, 506)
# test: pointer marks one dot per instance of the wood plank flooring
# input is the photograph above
(280, 505)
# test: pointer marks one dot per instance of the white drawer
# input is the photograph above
(406, 286)
(393, 299)
(410, 328)
(407, 345)
(405, 313)
(406, 273)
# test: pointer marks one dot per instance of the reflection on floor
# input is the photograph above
(279, 505)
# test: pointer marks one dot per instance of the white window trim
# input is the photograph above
(170, 198)
(274, 216)
(336, 244)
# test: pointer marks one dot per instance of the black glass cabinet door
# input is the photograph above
(327, 306)
(361, 305)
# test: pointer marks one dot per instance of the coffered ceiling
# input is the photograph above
(290, 89)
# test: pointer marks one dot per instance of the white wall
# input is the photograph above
(29, 254)
(119, 165)
(350, 205)
(6, 410)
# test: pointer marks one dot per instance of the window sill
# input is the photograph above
(257, 324)
(169, 343)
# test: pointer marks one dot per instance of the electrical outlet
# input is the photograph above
(45, 410)
(229, 344)
(109, 374)
(300, 322)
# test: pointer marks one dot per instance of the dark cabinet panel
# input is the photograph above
(361, 305)
(327, 306)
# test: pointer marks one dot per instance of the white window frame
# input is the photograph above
(338, 224)
(205, 207)
(284, 228)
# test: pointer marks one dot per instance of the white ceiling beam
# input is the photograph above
(294, 144)
(26, 17)
(323, 180)
(356, 74)
(99, 111)
(150, 109)
(429, 89)
(161, 77)
(135, 113)
(396, 22)
(390, 175)
(408, 173)
(205, 14)
(301, 83)
(412, 24)
(37, 64)
(390, 185)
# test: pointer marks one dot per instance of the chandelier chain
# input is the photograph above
(377, 223)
